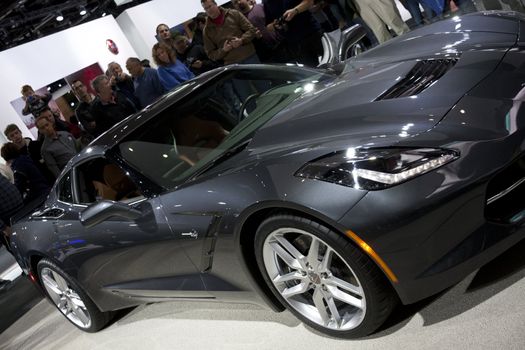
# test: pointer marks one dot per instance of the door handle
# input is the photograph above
(191, 234)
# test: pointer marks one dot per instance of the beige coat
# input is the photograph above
(235, 25)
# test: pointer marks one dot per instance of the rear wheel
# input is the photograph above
(321, 277)
(69, 298)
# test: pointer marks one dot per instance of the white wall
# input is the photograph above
(139, 22)
(48, 59)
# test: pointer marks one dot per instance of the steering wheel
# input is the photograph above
(241, 115)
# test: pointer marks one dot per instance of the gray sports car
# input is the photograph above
(335, 193)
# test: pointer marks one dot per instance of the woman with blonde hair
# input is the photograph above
(171, 71)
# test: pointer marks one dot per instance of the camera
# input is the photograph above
(282, 24)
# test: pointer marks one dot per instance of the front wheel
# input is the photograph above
(321, 277)
(69, 298)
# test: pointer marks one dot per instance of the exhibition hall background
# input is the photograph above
(46, 60)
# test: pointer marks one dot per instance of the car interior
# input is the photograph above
(101, 179)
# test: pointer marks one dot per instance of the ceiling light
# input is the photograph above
(103, 14)
(82, 11)
(59, 17)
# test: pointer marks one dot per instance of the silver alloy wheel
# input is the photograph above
(314, 279)
(65, 298)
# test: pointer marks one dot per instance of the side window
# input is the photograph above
(187, 135)
(102, 179)
(65, 193)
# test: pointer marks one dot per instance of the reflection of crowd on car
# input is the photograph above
(243, 32)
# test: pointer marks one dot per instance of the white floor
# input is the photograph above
(9, 269)
(485, 311)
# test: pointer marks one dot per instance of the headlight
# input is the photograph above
(375, 169)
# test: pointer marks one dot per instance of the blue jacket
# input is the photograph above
(173, 75)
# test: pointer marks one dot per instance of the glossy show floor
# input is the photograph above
(484, 311)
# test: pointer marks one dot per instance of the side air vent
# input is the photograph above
(505, 193)
(423, 75)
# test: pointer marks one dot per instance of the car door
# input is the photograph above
(138, 256)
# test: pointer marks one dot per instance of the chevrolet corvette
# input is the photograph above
(336, 192)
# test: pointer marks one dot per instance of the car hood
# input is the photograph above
(351, 110)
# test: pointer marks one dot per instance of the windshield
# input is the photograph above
(217, 117)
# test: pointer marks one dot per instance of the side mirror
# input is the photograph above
(103, 210)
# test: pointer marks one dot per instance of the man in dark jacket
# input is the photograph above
(29, 147)
(28, 179)
(83, 111)
(110, 107)
(11, 203)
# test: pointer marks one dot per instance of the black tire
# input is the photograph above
(69, 298)
(347, 274)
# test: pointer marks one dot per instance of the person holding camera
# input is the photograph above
(34, 103)
(122, 82)
(228, 35)
(268, 44)
(192, 54)
(301, 32)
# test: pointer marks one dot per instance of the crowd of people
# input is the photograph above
(268, 31)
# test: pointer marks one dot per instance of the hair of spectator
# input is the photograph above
(9, 151)
(160, 25)
(171, 54)
(203, 1)
(111, 66)
(10, 128)
(26, 88)
(133, 59)
(39, 118)
(200, 18)
(97, 82)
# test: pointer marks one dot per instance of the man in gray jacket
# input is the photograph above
(58, 146)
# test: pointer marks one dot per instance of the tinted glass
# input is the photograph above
(218, 116)
(65, 193)
(100, 179)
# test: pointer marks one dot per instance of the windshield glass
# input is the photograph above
(217, 117)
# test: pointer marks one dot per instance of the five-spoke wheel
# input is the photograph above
(69, 298)
(322, 277)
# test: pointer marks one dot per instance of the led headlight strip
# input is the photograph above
(375, 169)
(392, 179)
